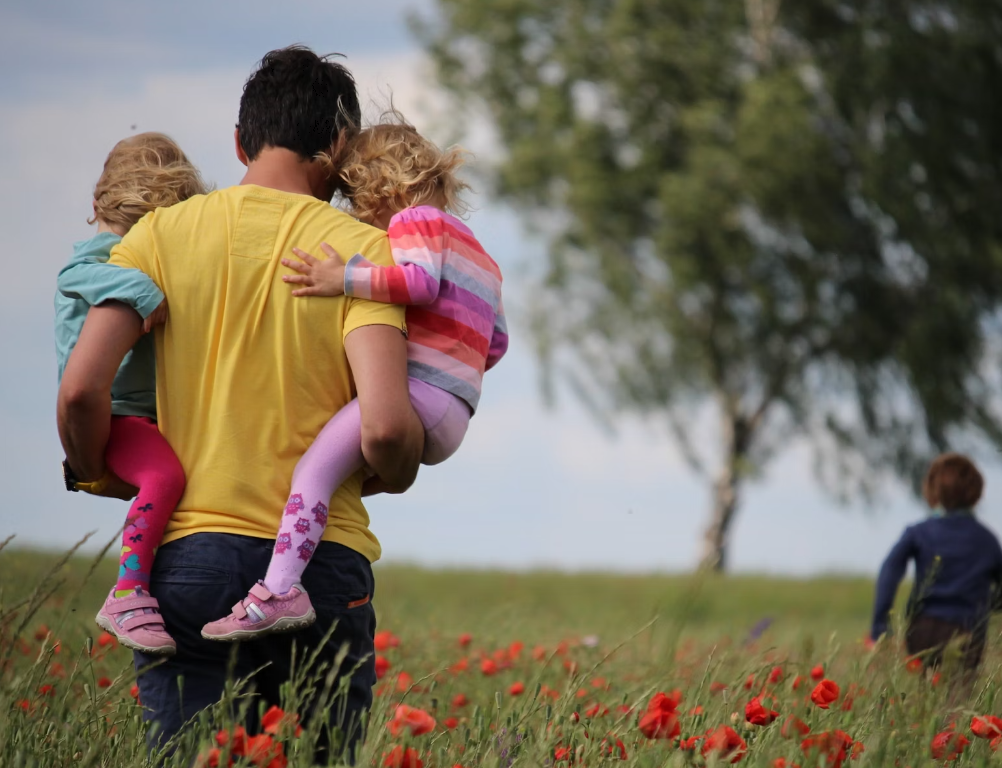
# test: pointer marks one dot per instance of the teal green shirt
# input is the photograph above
(88, 281)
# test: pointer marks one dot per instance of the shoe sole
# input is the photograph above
(128, 642)
(285, 624)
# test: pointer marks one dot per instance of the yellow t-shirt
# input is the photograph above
(247, 374)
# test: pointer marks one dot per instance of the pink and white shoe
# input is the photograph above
(137, 623)
(263, 613)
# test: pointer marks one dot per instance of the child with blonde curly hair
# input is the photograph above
(958, 568)
(141, 173)
(399, 181)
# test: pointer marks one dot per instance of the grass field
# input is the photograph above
(561, 669)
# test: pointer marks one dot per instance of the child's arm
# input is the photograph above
(88, 276)
(891, 573)
(499, 339)
(411, 283)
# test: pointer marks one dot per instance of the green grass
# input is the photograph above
(654, 633)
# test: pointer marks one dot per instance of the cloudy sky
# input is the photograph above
(531, 486)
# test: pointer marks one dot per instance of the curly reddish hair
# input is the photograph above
(952, 482)
(143, 172)
(390, 164)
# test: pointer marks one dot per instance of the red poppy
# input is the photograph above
(562, 753)
(793, 726)
(696, 710)
(717, 687)
(42, 632)
(781, 762)
(412, 719)
(614, 747)
(265, 752)
(103, 682)
(517, 689)
(237, 740)
(488, 667)
(757, 713)
(690, 744)
(775, 675)
(460, 666)
(539, 653)
(107, 640)
(749, 682)
(211, 759)
(914, 665)
(450, 723)
(134, 692)
(948, 745)
(404, 682)
(402, 758)
(798, 681)
(596, 710)
(833, 745)
(385, 640)
(459, 701)
(57, 670)
(818, 672)
(24, 705)
(465, 639)
(599, 682)
(382, 666)
(515, 649)
(275, 720)
(825, 693)
(986, 726)
(726, 743)
(660, 721)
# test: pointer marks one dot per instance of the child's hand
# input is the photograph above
(157, 317)
(321, 278)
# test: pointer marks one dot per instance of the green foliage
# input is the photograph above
(786, 211)
(606, 640)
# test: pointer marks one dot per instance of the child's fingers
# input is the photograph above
(310, 291)
(305, 256)
(300, 279)
(297, 265)
(331, 253)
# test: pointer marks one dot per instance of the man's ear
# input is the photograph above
(241, 155)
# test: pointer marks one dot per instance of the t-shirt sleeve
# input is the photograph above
(362, 312)
(138, 251)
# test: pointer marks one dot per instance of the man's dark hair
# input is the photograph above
(297, 100)
(953, 483)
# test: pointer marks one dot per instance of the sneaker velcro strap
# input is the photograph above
(142, 619)
(239, 611)
(136, 604)
(260, 591)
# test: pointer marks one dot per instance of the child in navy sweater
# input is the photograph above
(958, 568)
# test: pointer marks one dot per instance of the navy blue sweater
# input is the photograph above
(958, 565)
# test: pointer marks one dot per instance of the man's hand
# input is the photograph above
(321, 278)
(83, 409)
(392, 435)
(157, 317)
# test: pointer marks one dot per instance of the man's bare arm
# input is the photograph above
(392, 435)
(83, 410)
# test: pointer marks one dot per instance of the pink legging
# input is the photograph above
(335, 456)
(140, 455)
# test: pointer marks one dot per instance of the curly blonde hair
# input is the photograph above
(391, 164)
(143, 172)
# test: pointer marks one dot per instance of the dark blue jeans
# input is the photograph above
(199, 578)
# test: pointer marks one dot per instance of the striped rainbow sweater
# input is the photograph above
(456, 327)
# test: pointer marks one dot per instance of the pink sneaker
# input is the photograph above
(262, 613)
(136, 621)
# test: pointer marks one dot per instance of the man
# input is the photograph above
(246, 378)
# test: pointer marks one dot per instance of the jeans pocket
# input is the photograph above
(191, 575)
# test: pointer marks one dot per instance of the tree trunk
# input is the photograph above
(736, 438)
